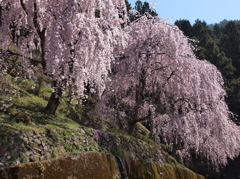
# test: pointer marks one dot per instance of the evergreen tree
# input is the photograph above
(128, 5)
(139, 6)
(144, 7)
(230, 43)
(217, 31)
(185, 26)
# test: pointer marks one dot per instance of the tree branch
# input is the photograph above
(143, 118)
(31, 59)
(23, 6)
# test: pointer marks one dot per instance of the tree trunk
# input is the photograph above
(133, 122)
(131, 126)
(53, 103)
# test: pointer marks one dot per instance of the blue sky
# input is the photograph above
(211, 11)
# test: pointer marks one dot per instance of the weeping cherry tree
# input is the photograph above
(159, 80)
(75, 41)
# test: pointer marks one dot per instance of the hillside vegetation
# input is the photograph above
(29, 135)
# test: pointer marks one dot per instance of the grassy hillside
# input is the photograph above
(25, 130)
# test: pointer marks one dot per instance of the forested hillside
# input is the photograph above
(222, 23)
(221, 46)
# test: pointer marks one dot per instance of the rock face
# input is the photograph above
(86, 165)
(95, 165)
(140, 170)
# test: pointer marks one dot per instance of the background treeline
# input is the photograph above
(141, 7)
(219, 44)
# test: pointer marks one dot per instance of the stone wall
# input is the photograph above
(94, 165)
(83, 153)
(33, 146)
(89, 165)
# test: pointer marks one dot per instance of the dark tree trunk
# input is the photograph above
(53, 103)
(133, 122)
(131, 128)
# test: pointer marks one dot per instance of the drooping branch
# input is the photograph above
(142, 119)
(24, 56)
(23, 6)
(41, 34)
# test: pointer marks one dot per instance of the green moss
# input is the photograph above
(41, 168)
(52, 126)
(24, 127)
(119, 152)
(116, 177)
(14, 48)
(30, 102)
(141, 169)
(71, 125)
(56, 152)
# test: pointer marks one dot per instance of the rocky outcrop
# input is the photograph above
(95, 165)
